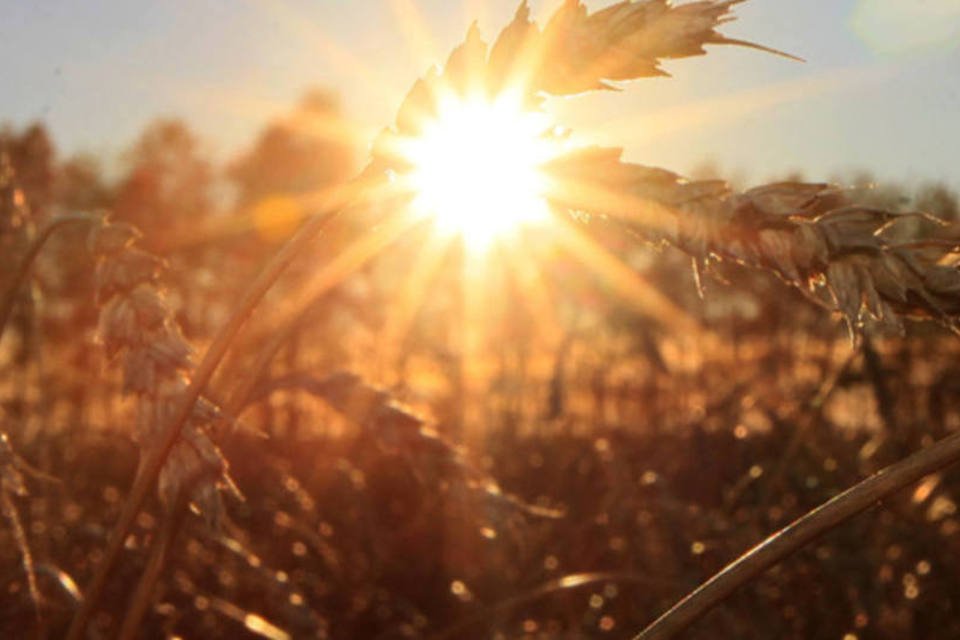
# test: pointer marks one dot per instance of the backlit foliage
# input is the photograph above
(547, 437)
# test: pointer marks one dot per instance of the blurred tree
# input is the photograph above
(168, 185)
(32, 156)
(80, 185)
(297, 155)
(16, 233)
(12, 212)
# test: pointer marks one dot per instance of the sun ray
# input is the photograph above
(476, 168)
(296, 207)
(344, 262)
(525, 268)
(731, 107)
(228, 101)
(581, 195)
(334, 127)
(413, 27)
(474, 11)
(524, 62)
(631, 286)
(415, 288)
(347, 260)
(337, 56)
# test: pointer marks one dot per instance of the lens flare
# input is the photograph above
(476, 168)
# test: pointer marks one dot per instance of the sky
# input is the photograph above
(880, 88)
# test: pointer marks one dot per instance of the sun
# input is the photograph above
(476, 168)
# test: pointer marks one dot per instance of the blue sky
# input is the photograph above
(880, 88)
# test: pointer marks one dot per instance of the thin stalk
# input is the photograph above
(156, 458)
(10, 296)
(256, 372)
(344, 263)
(800, 532)
(9, 509)
(159, 550)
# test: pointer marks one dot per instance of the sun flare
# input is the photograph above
(476, 168)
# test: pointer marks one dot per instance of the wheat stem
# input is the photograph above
(10, 296)
(800, 532)
(158, 455)
(159, 551)
(9, 509)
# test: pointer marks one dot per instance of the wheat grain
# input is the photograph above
(137, 325)
(806, 233)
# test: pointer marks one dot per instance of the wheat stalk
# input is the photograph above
(579, 51)
(839, 252)
(182, 405)
(137, 326)
(12, 484)
(395, 426)
(9, 300)
(576, 51)
(801, 532)
(13, 215)
(793, 229)
(806, 233)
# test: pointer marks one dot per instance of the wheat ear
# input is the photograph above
(183, 405)
(808, 234)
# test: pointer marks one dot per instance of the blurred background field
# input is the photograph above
(529, 441)
(670, 453)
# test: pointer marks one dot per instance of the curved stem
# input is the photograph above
(800, 532)
(26, 558)
(241, 395)
(159, 550)
(567, 582)
(345, 262)
(10, 296)
(156, 458)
